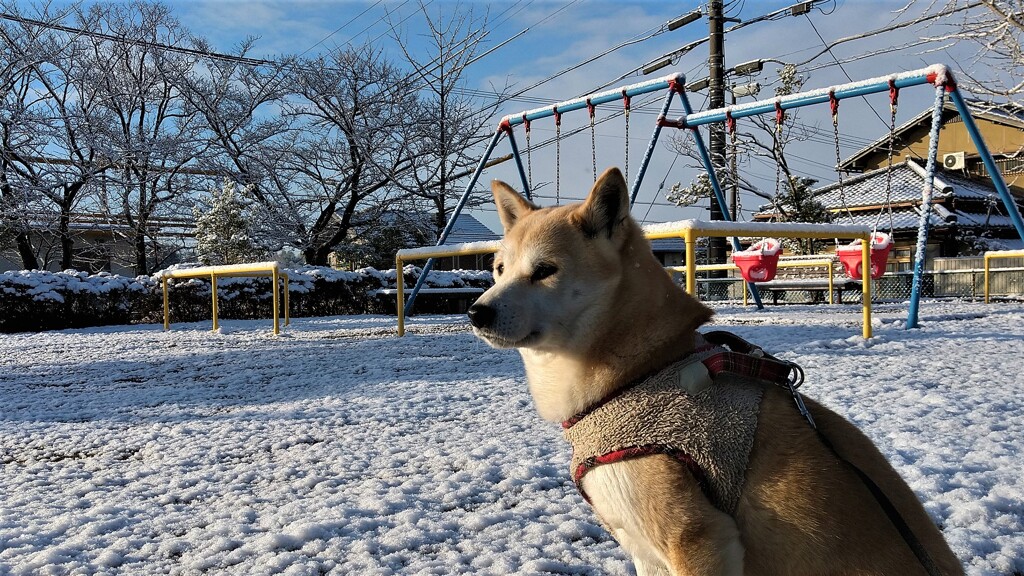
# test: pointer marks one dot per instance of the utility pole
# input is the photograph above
(716, 92)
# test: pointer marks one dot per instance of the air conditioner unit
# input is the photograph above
(953, 161)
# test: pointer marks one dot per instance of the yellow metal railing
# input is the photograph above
(783, 263)
(689, 231)
(444, 251)
(996, 255)
(271, 269)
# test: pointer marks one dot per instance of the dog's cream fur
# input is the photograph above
(580, 295)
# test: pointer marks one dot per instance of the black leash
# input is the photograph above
(795, 379)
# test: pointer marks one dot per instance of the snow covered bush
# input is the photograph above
(224, 233)
(36, 300)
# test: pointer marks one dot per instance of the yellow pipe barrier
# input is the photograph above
(783, 263)
(272, 269)
(689, 231)
(443, 251)
(996, 255)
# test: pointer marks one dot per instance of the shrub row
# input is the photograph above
(36, 300)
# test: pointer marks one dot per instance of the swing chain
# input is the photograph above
(558, 154)
(894, 97)
(593, 138)
(626, 106)
(529, 161)
(834, 104)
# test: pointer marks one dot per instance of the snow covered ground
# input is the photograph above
(337, 448)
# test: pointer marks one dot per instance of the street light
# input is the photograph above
(684, 20)
(658, 65)
(751, 89)
(748, 68)
(698, 85)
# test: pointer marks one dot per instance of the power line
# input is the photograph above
(342, 27)
(137, 42)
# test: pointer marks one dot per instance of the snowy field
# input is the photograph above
(337, 448)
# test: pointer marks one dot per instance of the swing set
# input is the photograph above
(757, 261)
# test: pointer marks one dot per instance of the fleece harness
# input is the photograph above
(723, 355)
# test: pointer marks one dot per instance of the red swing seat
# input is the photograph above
(850, 256)
(760, 262)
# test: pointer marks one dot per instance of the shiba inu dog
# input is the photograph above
(579, 293)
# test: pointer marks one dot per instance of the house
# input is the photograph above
(967, 213)
(468, 229)
(102, 243)
(1001, 126)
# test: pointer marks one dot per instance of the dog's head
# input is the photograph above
(558, 268)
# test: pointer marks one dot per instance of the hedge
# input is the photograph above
(33, 300)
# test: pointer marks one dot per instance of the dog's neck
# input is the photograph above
(652, 325)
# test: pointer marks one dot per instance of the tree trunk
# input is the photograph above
(28, 256)
(141, 267)
(316, 256)
(67, 244)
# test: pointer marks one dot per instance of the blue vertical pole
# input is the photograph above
(926, 208)
(990, 164)
(719, 197)
(650, 147)
(451, 221)
(519, 163)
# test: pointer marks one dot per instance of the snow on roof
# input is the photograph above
(902, 219)
(869, 189)
(468, 229)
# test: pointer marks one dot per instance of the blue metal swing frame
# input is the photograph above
(673, 83)
(937, 75)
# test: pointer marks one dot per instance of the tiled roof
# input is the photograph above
(668, 245)
(868, 189)
(469, 229)
(902, 219)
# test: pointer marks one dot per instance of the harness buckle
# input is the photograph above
(795, 379)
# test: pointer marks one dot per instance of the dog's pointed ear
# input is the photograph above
(607, 206)
(511, 206)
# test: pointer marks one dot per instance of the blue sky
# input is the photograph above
(562, 34)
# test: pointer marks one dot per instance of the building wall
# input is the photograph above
(953, 137)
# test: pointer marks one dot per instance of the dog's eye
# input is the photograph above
(500, 269)
(542, 271)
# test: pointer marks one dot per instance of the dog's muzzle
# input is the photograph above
(481, 315)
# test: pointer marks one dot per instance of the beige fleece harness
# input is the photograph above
(701, 410)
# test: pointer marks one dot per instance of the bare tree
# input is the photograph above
(997, 30)
(448, 123)
(16, 122)
(239, 102)
(353, 108)
(61, 159)
(152, 138)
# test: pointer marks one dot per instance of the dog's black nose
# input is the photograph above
(481, 316)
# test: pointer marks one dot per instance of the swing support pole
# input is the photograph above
(399, 274)
(519, 163)
(505, 127)
(673, 86)
(719, 196)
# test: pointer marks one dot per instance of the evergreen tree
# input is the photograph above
(796, 203)
(224, 232)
